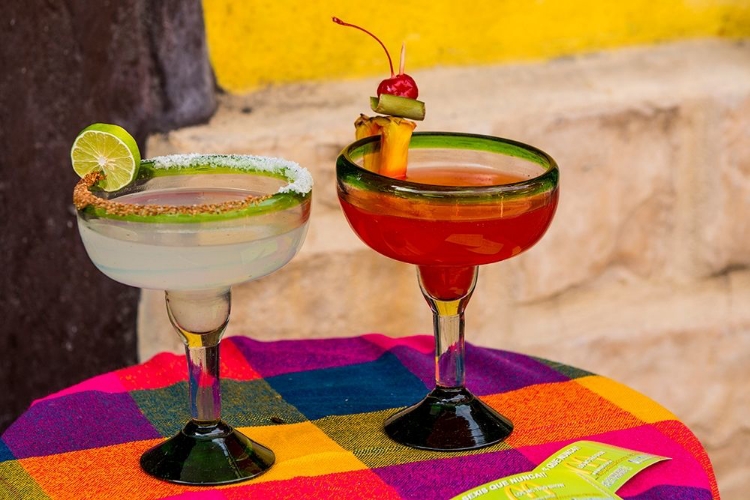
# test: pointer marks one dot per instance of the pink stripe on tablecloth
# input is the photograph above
(682, 469)
(109, 382)
(421, 343)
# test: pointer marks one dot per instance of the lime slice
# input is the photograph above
(394, 105)
(109, 149)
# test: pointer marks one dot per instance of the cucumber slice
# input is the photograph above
(394, 105)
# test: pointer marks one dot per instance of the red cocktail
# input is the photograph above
(467, 200)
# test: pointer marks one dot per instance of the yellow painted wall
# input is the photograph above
(253, 43)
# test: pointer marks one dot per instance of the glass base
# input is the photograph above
(207, 455)
(448, 420)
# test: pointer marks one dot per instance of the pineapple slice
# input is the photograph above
(394, 148)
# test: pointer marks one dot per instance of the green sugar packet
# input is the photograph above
(539, 485)
(584, 470)
(608, 466)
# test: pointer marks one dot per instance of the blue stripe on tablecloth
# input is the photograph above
(5, 453)
(358, 388)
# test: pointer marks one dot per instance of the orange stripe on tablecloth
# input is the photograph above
(301, 449)
(99, 473)
(356, 484)
(558, 411)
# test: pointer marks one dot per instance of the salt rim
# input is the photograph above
(301, 183)
(301, 179)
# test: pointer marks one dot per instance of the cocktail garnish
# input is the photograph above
(109, 149)
(394, 148)
(401, 84)
(397, 101)
(393, 105)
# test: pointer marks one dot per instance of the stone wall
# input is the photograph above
(644, 275)
(64, 66)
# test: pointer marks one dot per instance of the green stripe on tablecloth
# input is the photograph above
(371, 445)
(568, 371)
(244, 404)
(15, 482)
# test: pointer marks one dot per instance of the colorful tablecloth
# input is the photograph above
(320, 404)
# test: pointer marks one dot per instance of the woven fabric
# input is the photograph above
(320, 405)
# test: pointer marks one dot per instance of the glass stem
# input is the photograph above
(200, 317)
(448, 323)
(449, 350)
(205, 394)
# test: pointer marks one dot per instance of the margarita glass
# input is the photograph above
(467, 200)
(195, 225)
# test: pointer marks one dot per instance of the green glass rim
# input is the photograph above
(351, 173)
(101, 204)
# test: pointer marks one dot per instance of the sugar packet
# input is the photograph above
(539, 485)
(606, 465)
(584, 470)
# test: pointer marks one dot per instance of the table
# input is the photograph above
(320, 404)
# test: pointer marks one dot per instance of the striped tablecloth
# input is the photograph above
(320, 404)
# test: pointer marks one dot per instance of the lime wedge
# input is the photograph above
(109, 149)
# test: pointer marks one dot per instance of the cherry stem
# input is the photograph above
(342, 23)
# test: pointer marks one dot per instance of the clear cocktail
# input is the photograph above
(467, 200)
(193, 226)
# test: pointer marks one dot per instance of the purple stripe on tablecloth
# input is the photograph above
(677, 492)
(276, 358)
(445, 478)
(77, 422)
(516, 370)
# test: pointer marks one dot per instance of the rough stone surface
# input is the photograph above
(644, 275)
(65, 65)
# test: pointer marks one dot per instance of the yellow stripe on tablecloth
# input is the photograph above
(626, 398)
(302, 449)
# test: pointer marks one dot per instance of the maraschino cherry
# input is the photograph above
(399, 85)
